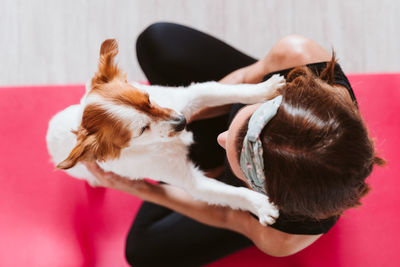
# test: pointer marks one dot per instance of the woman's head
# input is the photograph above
(316, 150)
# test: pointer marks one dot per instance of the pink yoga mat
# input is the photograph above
(50, 219)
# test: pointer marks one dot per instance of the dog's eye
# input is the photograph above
(144, 129)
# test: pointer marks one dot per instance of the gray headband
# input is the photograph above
(251, 156)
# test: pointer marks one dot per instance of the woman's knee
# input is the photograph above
(151, 43)
(295, 50)
(136, 253)
(152, 34)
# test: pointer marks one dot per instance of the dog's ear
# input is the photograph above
(82, 150)
(107, 68)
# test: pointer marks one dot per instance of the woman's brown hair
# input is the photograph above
(317, 151)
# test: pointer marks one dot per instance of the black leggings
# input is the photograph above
(175, 55)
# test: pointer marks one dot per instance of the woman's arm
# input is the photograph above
(253, 73)
(267, 239)
(162, 194)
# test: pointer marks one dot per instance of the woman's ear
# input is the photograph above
(221, 139)
(83, 150)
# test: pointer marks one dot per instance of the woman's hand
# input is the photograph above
(111, 180)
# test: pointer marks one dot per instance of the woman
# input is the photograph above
(317, 153)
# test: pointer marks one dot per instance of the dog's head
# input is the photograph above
(116, 115)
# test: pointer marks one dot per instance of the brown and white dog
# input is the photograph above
(138, 131)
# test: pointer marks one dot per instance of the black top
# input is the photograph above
(285, 223)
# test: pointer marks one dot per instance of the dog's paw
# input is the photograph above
(273, 83)
(262, 91)
(268, 215)
(266, 211)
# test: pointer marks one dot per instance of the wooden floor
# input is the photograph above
(57, 41)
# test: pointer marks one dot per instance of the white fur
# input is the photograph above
(163, 158)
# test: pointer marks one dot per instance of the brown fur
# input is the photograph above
(100, 136)
(111, 83)
(122, 93)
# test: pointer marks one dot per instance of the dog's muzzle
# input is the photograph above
(179, 123)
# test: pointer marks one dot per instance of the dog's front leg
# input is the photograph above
(211, 94)
(218, 193)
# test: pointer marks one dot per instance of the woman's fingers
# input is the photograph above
(104, 178)
(110, 179)
(94, 168)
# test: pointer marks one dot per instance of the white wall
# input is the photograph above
(56, 41)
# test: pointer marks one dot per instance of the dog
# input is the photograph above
(138, 131)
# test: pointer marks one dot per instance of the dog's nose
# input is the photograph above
(179, 123)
